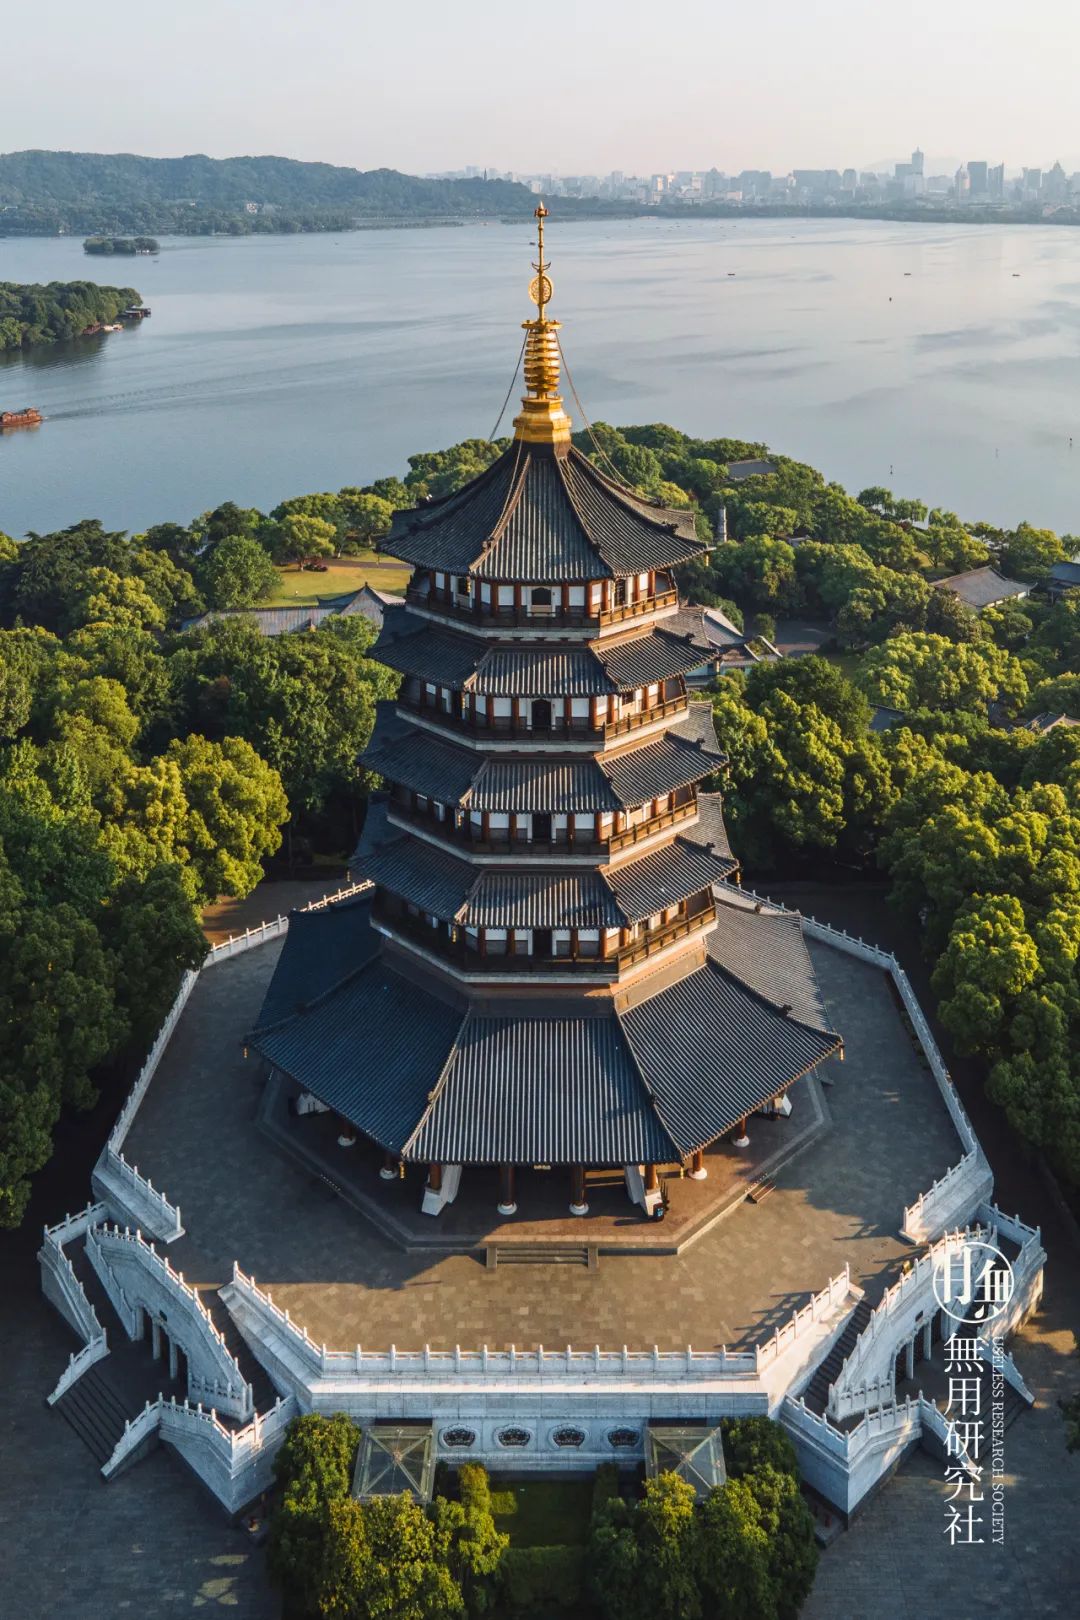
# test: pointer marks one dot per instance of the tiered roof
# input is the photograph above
(538, 516)
(644, 1060)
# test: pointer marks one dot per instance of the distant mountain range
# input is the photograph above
(42, 193)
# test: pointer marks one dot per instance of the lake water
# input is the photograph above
(943, 361)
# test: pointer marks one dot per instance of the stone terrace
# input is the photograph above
(840, 1201)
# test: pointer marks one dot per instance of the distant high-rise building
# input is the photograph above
(1032, 182)
(977, 173)
(995, 182)
(917, 161)
(849, 180)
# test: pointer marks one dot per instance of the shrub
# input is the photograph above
(540, 1579)
(605, 1486)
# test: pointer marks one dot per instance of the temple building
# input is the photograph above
(361, 1127)
(541, 973)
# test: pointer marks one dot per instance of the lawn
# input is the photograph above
(299, 587)
(543, 1512)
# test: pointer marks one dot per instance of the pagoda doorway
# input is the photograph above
(541, 714)
(541, 829)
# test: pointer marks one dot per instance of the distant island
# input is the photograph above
(121, 244)
(32, 313)
(103, 196)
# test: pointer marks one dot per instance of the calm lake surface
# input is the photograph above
(943, 361)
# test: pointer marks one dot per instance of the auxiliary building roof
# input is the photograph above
(545, 515)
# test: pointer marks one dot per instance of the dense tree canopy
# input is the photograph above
(34, 314)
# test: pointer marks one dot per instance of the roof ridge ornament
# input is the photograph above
(542, 419)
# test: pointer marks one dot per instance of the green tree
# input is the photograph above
(1029, 553)
(236, 807)
(734, 1556)
(237, 572)
(121, 601)
(367, 519)
(643, 1560)
(440, 472)
(300, 538)
(313, 1469)
(921, 671)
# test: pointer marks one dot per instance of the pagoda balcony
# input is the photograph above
(466, 838)
(648, 828)
(470, 609)
(552, 730)
(452, 944)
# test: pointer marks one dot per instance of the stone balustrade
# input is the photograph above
(236, 1465)
(137, 1278)
(78, 1362)
(582, 1366)
(59, 1283)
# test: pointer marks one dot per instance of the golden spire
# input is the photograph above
(542, 419)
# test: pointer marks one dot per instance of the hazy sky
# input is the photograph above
(422, 84)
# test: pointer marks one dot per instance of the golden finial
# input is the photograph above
(542, 419)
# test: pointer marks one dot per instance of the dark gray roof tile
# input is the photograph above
(767, 952)
(541, 1090)
(712, 1052)
(374, 1049)
(665, 877)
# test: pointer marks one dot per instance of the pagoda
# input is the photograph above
(541, 973)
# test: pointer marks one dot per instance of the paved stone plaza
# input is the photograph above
(840, 1202)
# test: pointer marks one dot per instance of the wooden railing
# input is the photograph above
(654, 824)
(578, 730)
(463, 837)
(658, 938)
(473, 611)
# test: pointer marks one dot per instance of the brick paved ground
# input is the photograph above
(73, 1548)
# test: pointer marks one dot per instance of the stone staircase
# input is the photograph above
(115, 1389)
(541, 1254)
(816, 1394)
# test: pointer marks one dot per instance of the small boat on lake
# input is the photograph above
(29, 416)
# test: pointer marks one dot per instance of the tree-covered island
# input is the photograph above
(103, 246)
(54, 311)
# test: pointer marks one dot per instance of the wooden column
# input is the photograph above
(698, 1171)
(517, 601)
(389, 1171)
(652, 1180)
(434, 1177)
(346, 1132)
(578, 1206)
(507, 1202)
(742, 1140)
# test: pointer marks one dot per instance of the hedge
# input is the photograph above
(543, 1578)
